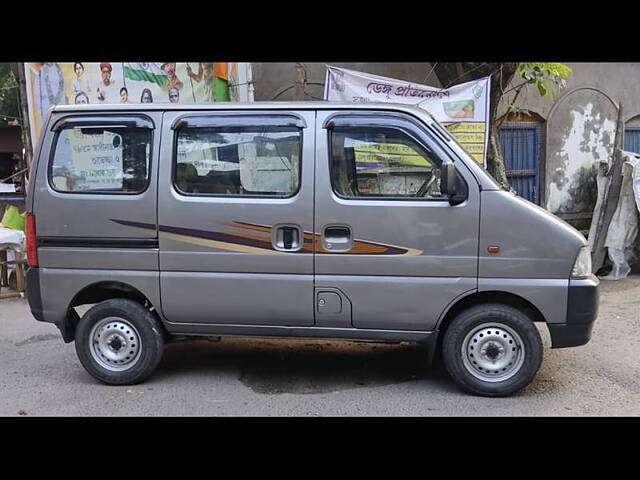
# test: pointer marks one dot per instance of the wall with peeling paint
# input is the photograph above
(583, 127)
(580, 132)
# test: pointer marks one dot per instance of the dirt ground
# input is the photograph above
(41, 375)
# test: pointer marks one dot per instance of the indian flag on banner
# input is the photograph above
(145, 72)
(194, 82)
(221, 82)
(144, 82)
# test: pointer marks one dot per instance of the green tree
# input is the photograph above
(9, 105)
(548, 78)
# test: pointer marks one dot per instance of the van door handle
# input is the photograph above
(286, 238)
(337, 238)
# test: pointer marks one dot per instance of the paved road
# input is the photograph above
(40, 375)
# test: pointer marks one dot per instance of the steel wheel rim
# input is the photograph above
(493, 352)
(115, 344)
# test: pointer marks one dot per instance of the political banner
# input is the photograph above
(132, 82)
(463, 109)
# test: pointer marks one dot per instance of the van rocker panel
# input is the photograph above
(199, 329)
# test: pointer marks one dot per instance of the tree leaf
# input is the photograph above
(542, 89)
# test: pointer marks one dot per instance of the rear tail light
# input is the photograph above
(30, 232)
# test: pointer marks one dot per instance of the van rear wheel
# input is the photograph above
(492, 350)
(119, 342)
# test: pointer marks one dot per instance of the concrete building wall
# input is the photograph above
(271, 79)
(618, 80)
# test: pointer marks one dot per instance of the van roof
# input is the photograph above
(324, 105)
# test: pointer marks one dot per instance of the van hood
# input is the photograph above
(533, 242)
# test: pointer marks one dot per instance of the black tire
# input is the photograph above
(469, 321)
(148, 329)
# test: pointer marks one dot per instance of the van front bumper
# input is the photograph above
(582, 311)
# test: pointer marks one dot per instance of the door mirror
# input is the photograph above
(448, 178)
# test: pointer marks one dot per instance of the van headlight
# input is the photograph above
(582, 266)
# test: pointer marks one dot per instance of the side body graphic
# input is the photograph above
(246, 241)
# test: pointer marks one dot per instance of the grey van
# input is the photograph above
(350, 221)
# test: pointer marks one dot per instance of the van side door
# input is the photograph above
(235, 218)
(389, 244)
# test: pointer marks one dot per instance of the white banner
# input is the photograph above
(97, 159)
(463, 109)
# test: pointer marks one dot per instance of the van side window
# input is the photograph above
(104, 160)
(382, 162)
(262, 160)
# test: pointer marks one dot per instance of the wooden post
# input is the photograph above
(20, 280)
(18, 71)
(4, 268)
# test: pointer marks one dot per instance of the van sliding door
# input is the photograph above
(235, 211)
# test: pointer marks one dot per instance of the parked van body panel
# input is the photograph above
(358, 334)
(80, 241)
(96, 216)
(218, 238)
(99, 258)
(549, 295)
(67, 283)
(533, 243)
(237, 298)
(43, 140)
(396, 303)
(408, 256)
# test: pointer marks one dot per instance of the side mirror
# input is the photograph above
(448, 178)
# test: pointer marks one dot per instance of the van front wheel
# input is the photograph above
(492, 350)
(119, 342)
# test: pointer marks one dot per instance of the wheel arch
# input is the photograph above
(491, 296)
(106, 289)
(97, 292)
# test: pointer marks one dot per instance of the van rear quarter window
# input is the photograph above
(243, 161)
(101, 160)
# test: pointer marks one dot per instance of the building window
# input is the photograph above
(632, 138)
(520, 144)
